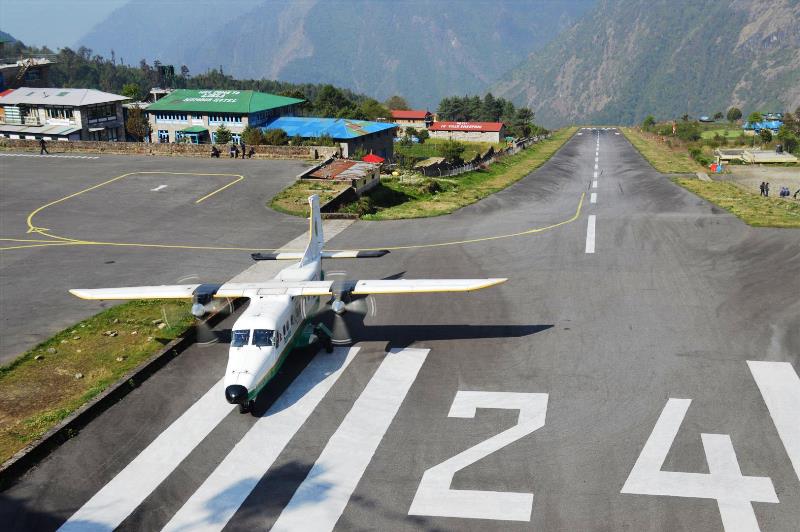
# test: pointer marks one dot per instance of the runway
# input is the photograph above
(638, 371)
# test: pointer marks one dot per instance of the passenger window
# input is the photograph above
(262, 337)
(240, 338)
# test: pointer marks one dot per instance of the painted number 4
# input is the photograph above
(434, 496)
(733, 492)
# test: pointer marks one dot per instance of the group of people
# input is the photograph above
(234, 151)
(785, 192)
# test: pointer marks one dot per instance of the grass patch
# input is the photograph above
(430, 148)
(294, 198)
(722, 132)
(664, 158)
(434, 197)
(751, 209)
(35, 395)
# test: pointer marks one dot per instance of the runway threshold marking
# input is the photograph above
(224, 491)
(780, 388)
(320, 500)
(590, 234)
(117, 499)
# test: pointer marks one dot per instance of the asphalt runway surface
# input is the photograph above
(638, 371)
(153, 203)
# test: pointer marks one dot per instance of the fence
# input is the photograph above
(491, 156)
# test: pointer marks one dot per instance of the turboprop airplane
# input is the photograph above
(276, 320)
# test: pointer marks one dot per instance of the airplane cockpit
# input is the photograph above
(260, 337)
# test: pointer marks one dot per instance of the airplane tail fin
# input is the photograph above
(316, 239)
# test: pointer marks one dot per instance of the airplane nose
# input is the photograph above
(236, 394)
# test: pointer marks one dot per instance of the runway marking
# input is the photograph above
(594, 174)
(780, 388)
(48, 156)
(117, 499)
(320, 500)
(594, 183)
(590, 234)
(595, 166)
(593, 198)
(159, 187)
(224, 491)
(434, 496)
(724, 482)
(220, 189)
(596, 159)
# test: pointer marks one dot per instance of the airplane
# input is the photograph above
(277, 317)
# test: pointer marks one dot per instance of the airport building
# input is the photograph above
(195, 115)
(416, 118)
(469, 131)
(350, 135)
(61, 114)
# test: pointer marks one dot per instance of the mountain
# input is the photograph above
(421, 49)
(6, 37)
(630, 58)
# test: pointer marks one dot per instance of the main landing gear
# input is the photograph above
(246, 406)
(324, 335)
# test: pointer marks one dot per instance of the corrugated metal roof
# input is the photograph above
(466, 126)
(44, 130)
(221, 101)
(343, 169)
(66, 97)
(336, 128)
(412, 114)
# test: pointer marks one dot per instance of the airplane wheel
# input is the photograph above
(245, 407)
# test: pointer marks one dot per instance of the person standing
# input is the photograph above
(766, 189)
(43, 147)
(244, 149)
(761, 188)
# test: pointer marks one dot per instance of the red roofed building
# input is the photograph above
(469, 131)
(416, 118)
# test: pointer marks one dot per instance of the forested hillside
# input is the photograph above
(421, 49)
(631, 58)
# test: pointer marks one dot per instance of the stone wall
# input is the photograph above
(180, 150)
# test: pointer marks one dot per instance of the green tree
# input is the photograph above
(397, 102)
(451, 150)
(523, 122)
(331, 101)
(788, 138)
(423, 135)
(132, 91)
(223, 135)
(734, 114)
(253, 136)
(372, 109)
(276, 137)
(411, 132)
(718, 115)
(491, 108)
(649, 122)
(755, 116)
(137, 124)
(766, 135)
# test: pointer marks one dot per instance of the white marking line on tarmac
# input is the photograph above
(594, 183)
(112, 504)
(159, 187)
(321, 498)
(780, 388)
(593, 198)
(595, 166)
(224, 491)
(596, 159)
(594, 175)
(590, 234)
(48, 156)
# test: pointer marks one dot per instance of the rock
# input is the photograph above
(39, 357)
(78, 376)
(162, 325)
(77, 350)
(63, 341)
(76, 337)
(150, 338)
(83, 325)
(120, 359)
(51, 350)
(116, 320)
(134, 333)
(157, 322)
(113, 333)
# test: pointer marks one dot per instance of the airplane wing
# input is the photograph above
(291, 288)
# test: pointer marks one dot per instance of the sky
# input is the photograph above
(54, 23)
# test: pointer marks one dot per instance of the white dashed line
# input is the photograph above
(595, 166)
(594, 175)
(594, 183)
(590, 234)
(593, 197)
(48, 156)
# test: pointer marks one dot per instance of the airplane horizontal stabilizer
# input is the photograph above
(343, 254)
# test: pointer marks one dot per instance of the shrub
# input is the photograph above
(252, 136)
(276, 137)
(223, 135)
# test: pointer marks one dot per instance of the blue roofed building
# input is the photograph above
(351, 135)
(772, 125)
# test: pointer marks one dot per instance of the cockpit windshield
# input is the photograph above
(240, 338)
(262, 337)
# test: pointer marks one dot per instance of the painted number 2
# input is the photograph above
(724, 481)
(434, 496)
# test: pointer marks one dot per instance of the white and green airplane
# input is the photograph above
(276, 320)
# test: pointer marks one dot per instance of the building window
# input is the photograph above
(112, 134)
(102, 112)
(224, 119)
(163, 135)
(59, 113)
(236, 138)
(170, 117)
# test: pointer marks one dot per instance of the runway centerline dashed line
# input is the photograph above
(590, 228)
(593, 198)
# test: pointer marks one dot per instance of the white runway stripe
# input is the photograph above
(48, 156)
(590, 234)
(593, 198)
(594, 183)
(224, 491)
(321, 498)
(780, 388)
(112, 504)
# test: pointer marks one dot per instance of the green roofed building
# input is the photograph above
(195, 115)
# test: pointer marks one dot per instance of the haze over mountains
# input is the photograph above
(586, 61)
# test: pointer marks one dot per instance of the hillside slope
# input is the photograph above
(631, 58)
(422, 49)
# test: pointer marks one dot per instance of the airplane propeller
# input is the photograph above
(347, 313)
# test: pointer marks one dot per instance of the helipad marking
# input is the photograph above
(590, 234)
(117, 499)
(224, 491)
(780, 388)
(321, 498)
(593, 198)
